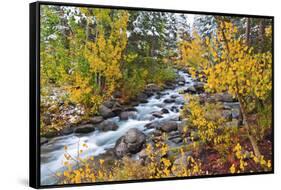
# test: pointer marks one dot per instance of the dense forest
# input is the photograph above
(181, 94)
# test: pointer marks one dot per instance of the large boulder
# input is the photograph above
(87, 128)
(105, 112)
(132, 142)
(107, 126)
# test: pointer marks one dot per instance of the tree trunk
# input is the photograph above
(261, 36)
(242, 108)
(248, 32)
(245, 123)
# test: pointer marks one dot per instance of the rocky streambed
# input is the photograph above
(124, 129)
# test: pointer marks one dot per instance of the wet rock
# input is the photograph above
(158, 96)
(96, 119)
(157, 114)
(164, 110)
(152, 125)
(181, 83)
(106, 112)
(142, 98)
(107, 126)
(130, 109)
(168, 101)
(179, 101)
(87, 128)
(67, 130)
(190, 90)
(174, 109)
(174, 96)
(126, 115)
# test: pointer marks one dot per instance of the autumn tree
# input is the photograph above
(231, 66)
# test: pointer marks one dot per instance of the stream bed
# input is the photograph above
(98, 142)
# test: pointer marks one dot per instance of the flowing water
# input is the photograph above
(52, 153)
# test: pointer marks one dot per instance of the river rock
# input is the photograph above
(67, 130)
(157, 114)
(181, 83)
(179, 101)
(132, 142)
(126, 115)
(105, 112)
(87, 128)
(164, 110)
(174, 96)
(153, 87)
(107, 125)
(190, 90)
(152, 125)
(168, 101)
(168, 126)
(96, 119)
(174, 109)
(142, 98)
(116, 110)
(130, 109)
(109, 104)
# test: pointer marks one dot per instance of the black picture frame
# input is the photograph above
(34, 91)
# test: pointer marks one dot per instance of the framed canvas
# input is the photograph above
(125, 94)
